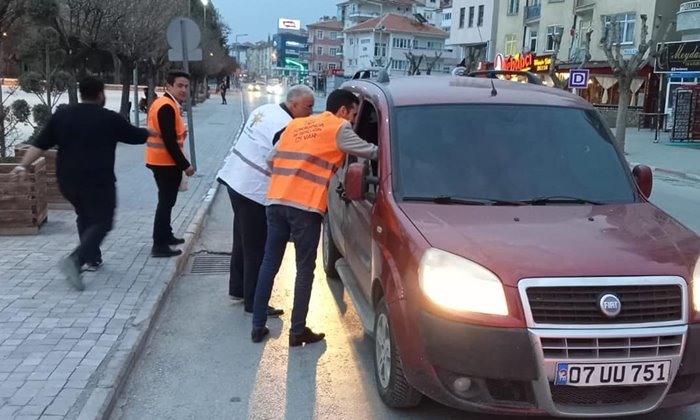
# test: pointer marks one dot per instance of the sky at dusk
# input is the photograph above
(258, 18)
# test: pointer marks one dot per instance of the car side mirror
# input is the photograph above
(355, 186)
(645, 179)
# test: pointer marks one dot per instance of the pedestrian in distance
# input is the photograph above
(166, 159)
(246, 177)
(86, 135)
(223, 88)
(309, 152)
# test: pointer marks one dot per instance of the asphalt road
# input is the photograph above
(201, 364)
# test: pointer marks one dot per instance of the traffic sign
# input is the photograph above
(578, 78)
(184, 37)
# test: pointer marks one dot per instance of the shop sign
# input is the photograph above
(678, 56)
(522, 62)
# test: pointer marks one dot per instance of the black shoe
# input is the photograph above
(176, 241)
(307, 337)
(91, 266)
(164, 251)
(258, 334)
(272, 312)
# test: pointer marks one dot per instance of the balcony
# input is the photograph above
(581, 5)
(362, 15)
(689, 18)
(533, 12)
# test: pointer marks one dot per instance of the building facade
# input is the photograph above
(259, 60)
(527, 29)
(354, 12)
(473, 28)
(290, 55)
(391, 40)
(326, 46)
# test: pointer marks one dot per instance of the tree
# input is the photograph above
(414, 63)
(473, 54)
(625, 69)
(10, 11)
(584, 55)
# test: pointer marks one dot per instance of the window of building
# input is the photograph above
(553, 30)
(351, 41)
(532, 39)
(334, 35)
(331, 66)
(626, 22)
(513, 7)
(403, 43)
(334, 51)
(434, 45)
(447, 16)
(319, 34)
(480, 19)
(319, 50)
(365, 41)
(319, 66)
(462, 11)
(399, 64)
(511, 44)
(380, 50)
(471, 17)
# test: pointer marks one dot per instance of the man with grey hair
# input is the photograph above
(247, 178)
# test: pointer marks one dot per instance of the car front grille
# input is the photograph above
(611, 348)
(597, 396)
(577, 305)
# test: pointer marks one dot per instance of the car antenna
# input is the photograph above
(494, 92)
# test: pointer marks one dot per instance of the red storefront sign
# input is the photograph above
(522, 62)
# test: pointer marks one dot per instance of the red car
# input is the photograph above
(506, 260)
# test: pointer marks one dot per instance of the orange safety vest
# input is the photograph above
(156, 153)
(306, 158)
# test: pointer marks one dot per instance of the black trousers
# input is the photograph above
(168, 180)
(94, 207)
(249, 235)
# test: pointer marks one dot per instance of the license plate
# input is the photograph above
(605, 374)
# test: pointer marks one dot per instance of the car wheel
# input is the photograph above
(330, 252)
(392, 386)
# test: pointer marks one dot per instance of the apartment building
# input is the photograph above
(354, 12)
(387, 40)
(526, 30)
(259, 59)
(326, 45)
(473, 28)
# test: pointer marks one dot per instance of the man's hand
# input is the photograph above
(189, 171)
(18, 173)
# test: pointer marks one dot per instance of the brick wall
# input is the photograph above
(609, 114)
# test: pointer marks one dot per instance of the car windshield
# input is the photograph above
(508, 152)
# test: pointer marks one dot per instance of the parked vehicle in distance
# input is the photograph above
(506, 259)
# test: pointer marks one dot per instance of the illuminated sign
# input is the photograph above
(522, 62)
(290, 24)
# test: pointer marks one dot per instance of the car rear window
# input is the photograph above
(507, 152)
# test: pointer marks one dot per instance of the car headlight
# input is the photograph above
(695, 286)
(458, 284)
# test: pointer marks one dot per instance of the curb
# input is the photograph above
(679, 174)
(103, 398)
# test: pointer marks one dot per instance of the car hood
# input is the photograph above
(560, 240)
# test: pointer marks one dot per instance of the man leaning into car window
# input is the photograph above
(309, 152)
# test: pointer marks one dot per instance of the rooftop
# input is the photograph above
(397, 23)
(327, 24)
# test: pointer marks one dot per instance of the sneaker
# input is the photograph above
(91, 266)
(71, 268)
(272, 312)
(258, 334)
(307, 337)
(235, 299)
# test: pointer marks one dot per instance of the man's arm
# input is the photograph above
(127, 133)
(44, 141)
(349, 142)
(166, 120)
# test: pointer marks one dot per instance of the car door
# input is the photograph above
(358, 216)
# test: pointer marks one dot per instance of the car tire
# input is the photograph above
(329, 250)
(392, 386)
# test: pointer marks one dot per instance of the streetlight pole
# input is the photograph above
(205, 3)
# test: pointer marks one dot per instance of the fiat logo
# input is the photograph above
(610, 305)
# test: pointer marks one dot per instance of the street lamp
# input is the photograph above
(205, 3)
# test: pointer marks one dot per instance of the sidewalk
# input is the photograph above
(62, 352)
(676, 158)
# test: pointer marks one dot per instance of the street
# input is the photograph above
(200, 363)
